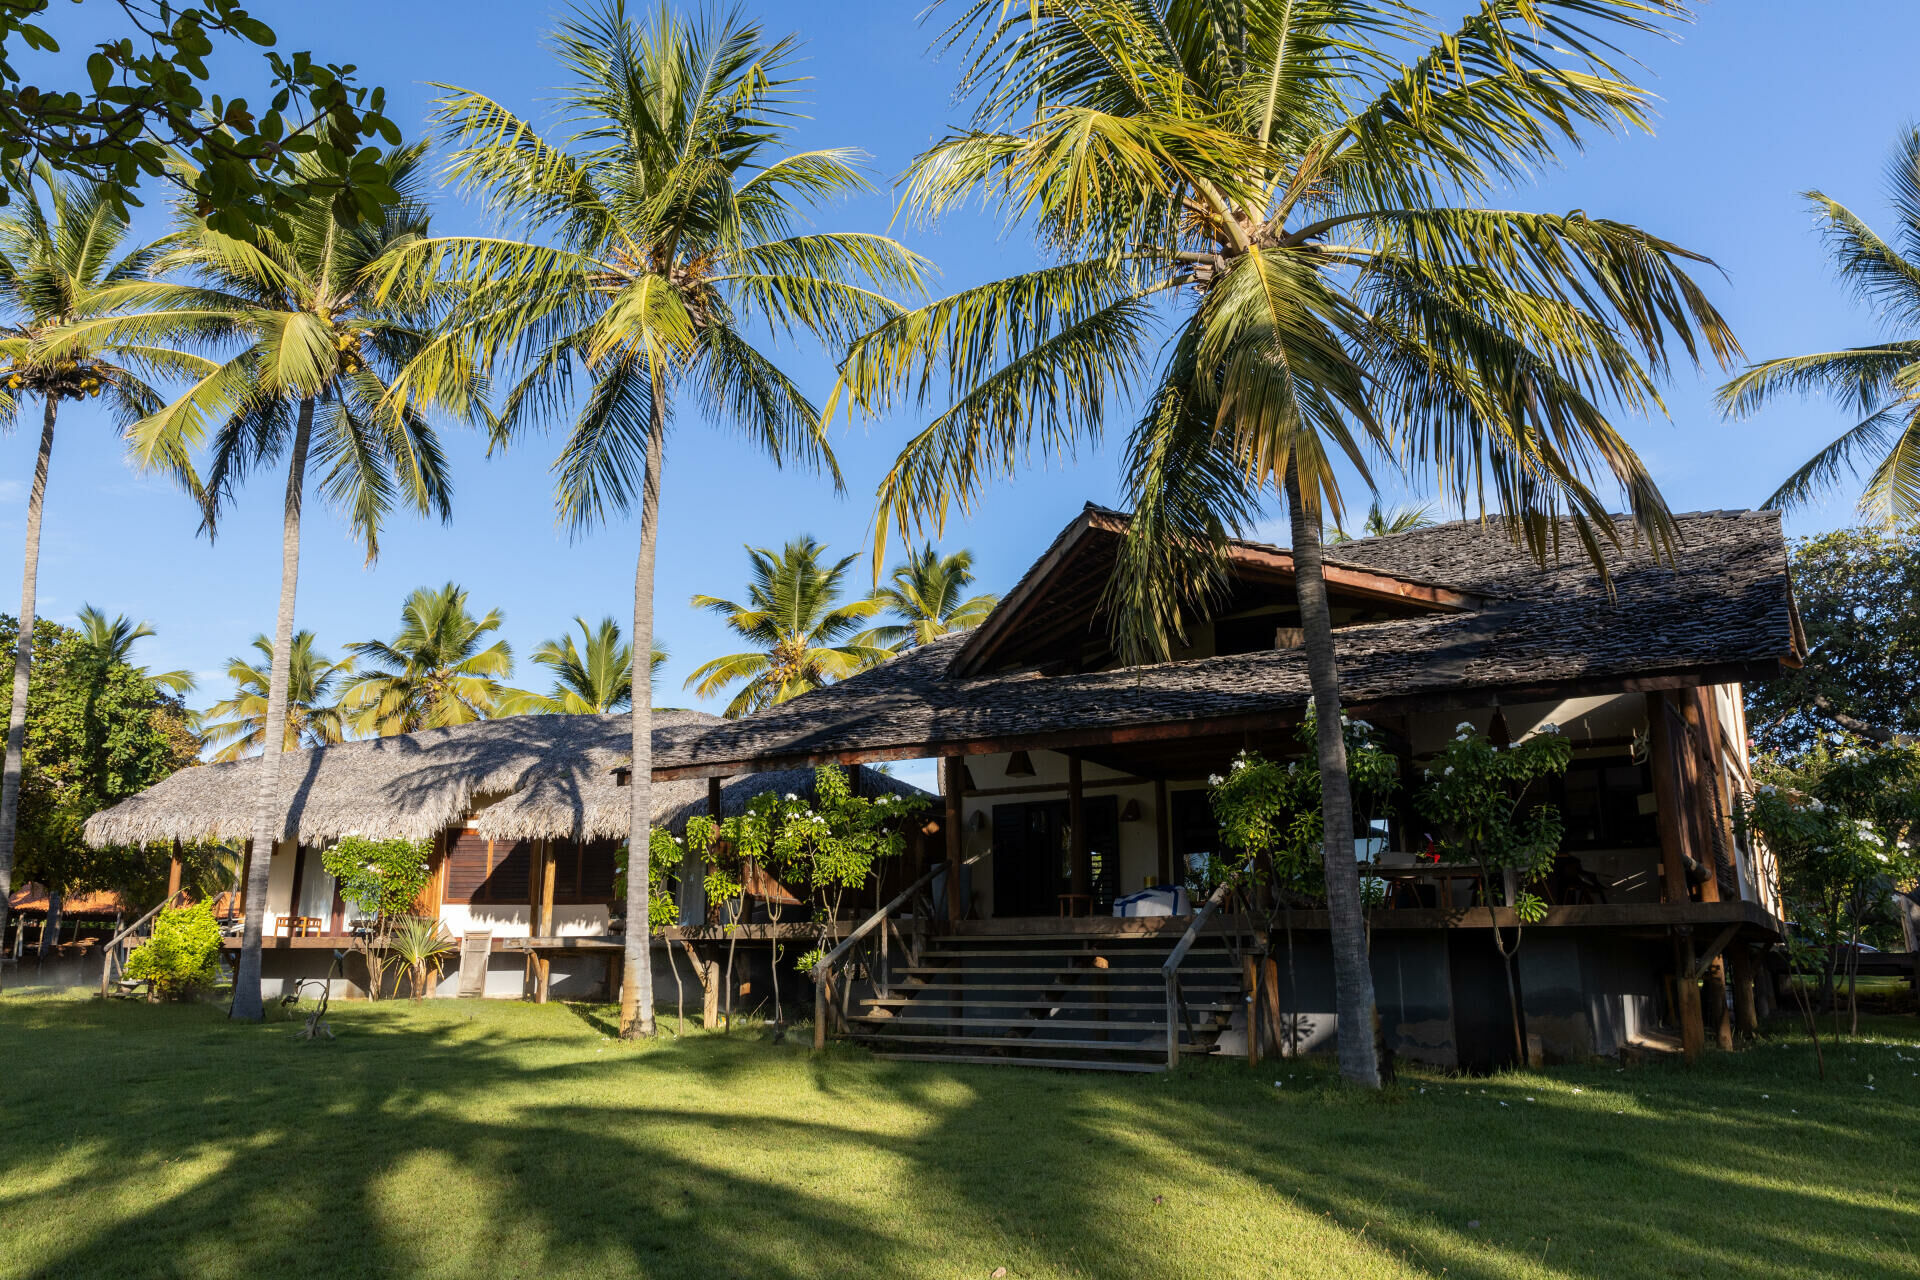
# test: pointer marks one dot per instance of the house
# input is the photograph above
(1072, 781)
(525, 816)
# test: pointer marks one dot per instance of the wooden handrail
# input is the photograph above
(1170, 971)
(113, 948)
(822, 970)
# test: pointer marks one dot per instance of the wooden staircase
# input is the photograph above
(1068, 1001)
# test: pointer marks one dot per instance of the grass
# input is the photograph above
(504, 1139)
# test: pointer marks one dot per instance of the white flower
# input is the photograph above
(1465, 726)
(1816, 806)
(1214, 779)
(792, 796)
(1548, 726)
(1447, 772)
(1764, 789)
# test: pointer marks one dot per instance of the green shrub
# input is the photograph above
(380, 878)
(182, 956)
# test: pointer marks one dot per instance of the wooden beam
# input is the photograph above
(1746, 1016)
(1163, 830)
(173, 872)
(548, 866)
(1693, 1035)
(246, 871)
(1056, 788)
(956, 783)
(1668, 817)
(1712, 953)
(1078, 858)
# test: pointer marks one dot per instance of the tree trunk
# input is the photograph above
(247, 1005)
(636, 991)
(50, 932)
(23, 664)
(1352, 979)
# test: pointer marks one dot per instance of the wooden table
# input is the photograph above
(1442, 875)
(1076, 904)
(297, 926)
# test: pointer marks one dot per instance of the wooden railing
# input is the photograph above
(831, 993)
(1170, 971)
(114, 960)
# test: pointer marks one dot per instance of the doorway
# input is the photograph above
(1033, 861)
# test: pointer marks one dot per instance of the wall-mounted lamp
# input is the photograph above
(978, 822)
(1497, 732)
(1019, 765)
(1130, 811)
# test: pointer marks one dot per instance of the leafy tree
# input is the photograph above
(929, 595)
(1479, 794)
(591, 678)
(328, 369)
(145, 100)
(313, 716)
(94, 737)
(1290, 201)
(437, 671)
(804, 636)
(1381, 523)
(1878, 384)
(1858, 593)
(674, 219)
(64, 258)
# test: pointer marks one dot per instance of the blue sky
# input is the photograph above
(1758, 104)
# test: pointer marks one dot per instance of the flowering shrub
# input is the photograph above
(379, 878)
(182, 955)
(1477, 791)
(665, 853)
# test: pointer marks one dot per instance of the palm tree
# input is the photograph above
(1380, 523)
(1298, 213)
(313, 716)
(1880, 383)
(673, 217)
(591, 678)
(65, 258)
(437, 671)
(926, 594)
(109, 642)
(805, 638)
(328, 370)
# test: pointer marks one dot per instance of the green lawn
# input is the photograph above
(502, 1139)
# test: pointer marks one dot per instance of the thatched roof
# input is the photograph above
(527, 777)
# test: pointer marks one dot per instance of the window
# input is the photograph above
(1601, 805)
(500, 871)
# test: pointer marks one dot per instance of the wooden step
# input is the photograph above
(961, 1020)
(1211, 988)
(1015, 971)
(1156, 1007)
(1024, 1042)
(1058, 1064)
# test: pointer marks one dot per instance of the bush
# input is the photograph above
(380, 878)
(182, 956)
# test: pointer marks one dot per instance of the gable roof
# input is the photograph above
(1722, 611)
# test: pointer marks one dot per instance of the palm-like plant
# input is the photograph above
(64, 258)
(1379, 523)
(1298, 211)
(237, 727)
(804, 636)
(323, 369)
(109, 641)
(437, 671)
(1880, 384)
(929, 595)
(590, 678)
(673, 221)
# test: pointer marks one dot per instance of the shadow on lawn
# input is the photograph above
(354, 1157)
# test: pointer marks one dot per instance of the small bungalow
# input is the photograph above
(524, 814)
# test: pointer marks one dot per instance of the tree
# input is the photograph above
(437, 671)
(804, 637)
(926, 594)
(1858, 594)
(110, 641)
(1381, 523)
(591, 678)
(674, 219)
(331, 370)
(95, 735)
(313, 716)
(1878, 384)
(64, 259)
(1301, 215)
(145, 102)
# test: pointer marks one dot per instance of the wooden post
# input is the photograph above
(956, 781)
(1163, 830)
(1696, 798)
(173, 873)
(1250, 980)
(709, 992)
(1715, 1000)
(1746, 1016)
(616, 972)
(1693, 1034)
(548, 866)
(1078, 861)
(1669, 819)
(246, 869)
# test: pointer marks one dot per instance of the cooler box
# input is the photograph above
(1163, 901)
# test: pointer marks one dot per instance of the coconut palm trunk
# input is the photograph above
(636, 987)
(23, 664)
(1347, 928)
(247, 1005)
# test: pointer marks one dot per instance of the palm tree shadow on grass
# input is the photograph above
(453, 1141)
